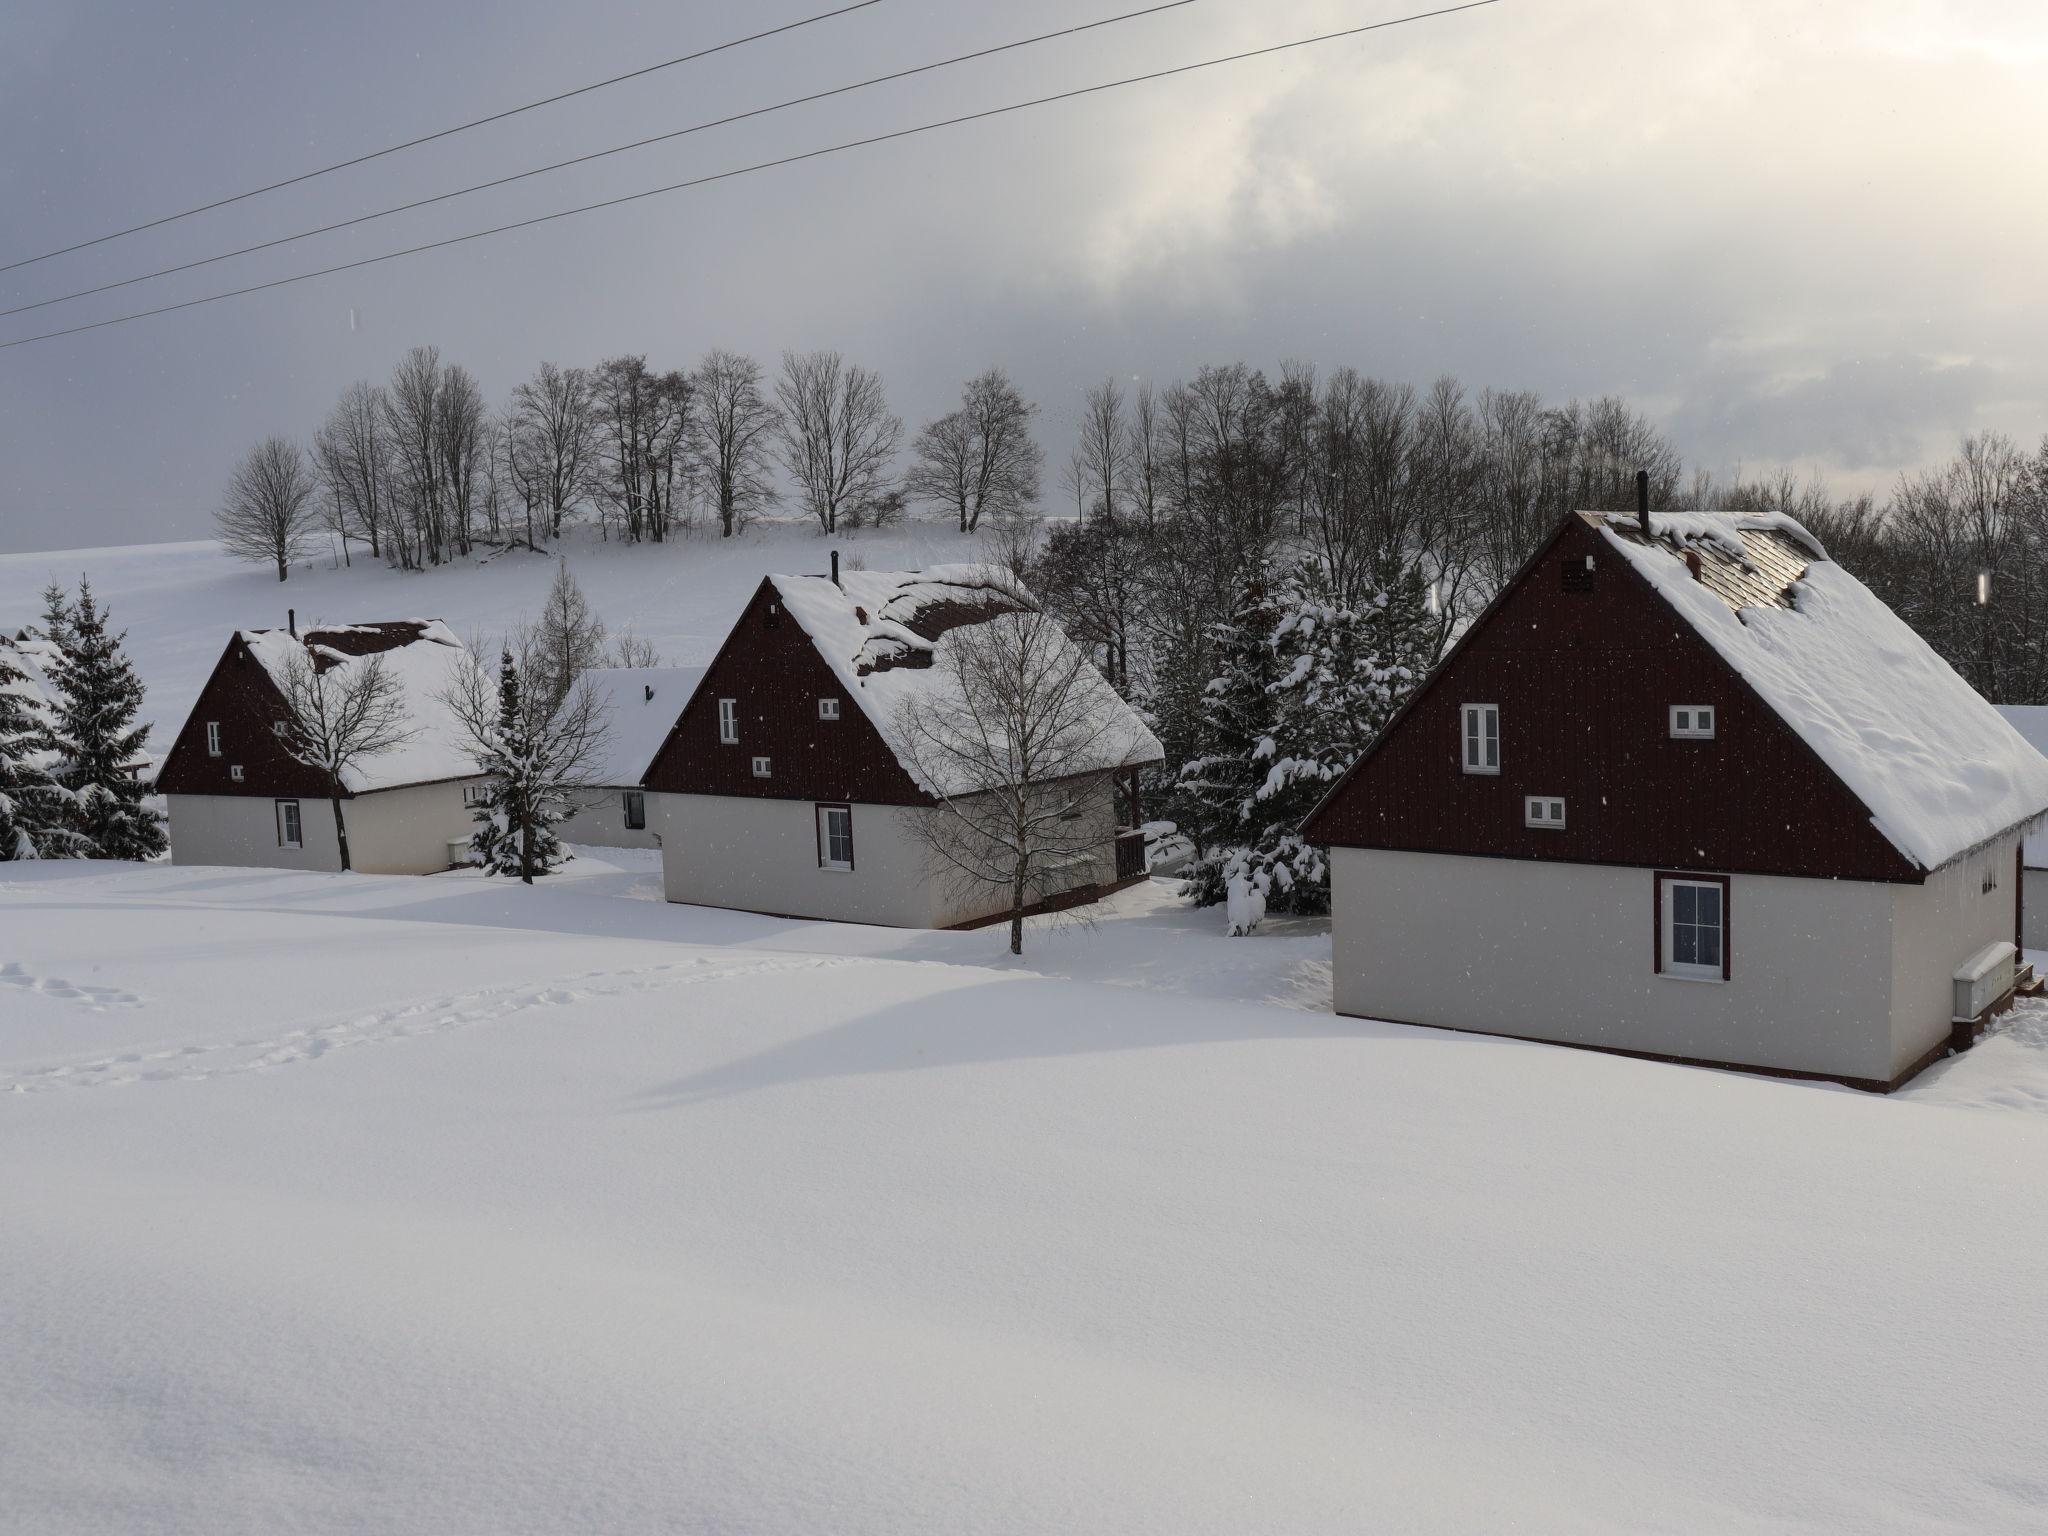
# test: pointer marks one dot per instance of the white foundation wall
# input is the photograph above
(1936, 926)
(762, 856)
(1565, 952)
(600, 822)
(241, 831)
(392, 832)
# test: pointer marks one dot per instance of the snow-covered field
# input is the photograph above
(349, 1204)
(344, 1204)
(180, 602)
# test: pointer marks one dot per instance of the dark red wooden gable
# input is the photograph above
(241, 696)
(1585, 665)
(773, 672)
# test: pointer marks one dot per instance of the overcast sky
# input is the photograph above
(1798, 232)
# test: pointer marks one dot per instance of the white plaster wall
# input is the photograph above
(241, 831)
(392, 832)
(1565, 952)
(1936, 926)
(600, 822)
(406, 831)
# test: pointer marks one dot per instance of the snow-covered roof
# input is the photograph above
(1938, 768)
(2031, 721)
(639, 705)
(884, 633)
(426, 658)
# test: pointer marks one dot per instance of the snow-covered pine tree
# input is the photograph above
(1215, 798)
(97, 739)
(56, 625)
(33, 805)
(536, 762)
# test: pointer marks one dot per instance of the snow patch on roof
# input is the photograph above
(1939, 769)
(426, 658)
(639, 706)
(883, 633)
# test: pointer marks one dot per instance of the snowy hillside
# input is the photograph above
(179, 602)
(338, 1204)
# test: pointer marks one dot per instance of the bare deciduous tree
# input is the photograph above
(269, 514)
(353, 456)
(981, 460)
(838, 436)
(1015, 745)
(553, 433)
(730, 436)
(338, 715)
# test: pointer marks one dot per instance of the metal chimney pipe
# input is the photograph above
(291, 621)
(835, 567)
(1643, 500)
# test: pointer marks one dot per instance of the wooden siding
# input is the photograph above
(1584, 677)
(241, 696)
(770, 666)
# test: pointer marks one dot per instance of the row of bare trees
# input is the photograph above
(420, 471)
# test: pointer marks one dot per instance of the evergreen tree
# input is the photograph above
(528, 795)
(1216, 797)
(96, 738)
(33, 805)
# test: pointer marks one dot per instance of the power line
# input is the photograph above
(495, 117)
(764, 165)
(559, 165)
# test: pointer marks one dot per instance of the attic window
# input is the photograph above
(761, 768)
(729, 721)
(213, 738)
(278, 728)
(773, 619)
(235, 772)
(828, 709)
(1482, 738)
(1544, 811)
(1578, 574)
(1692, 722)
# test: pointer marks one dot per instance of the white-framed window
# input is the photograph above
(1482, 738)
(634, 803)
(828, 709)
(279, 727)
(729, 721)
(1692, 927)
(761, 768)
(474, 795)
(1546, 811)
(289, 833)
(835, 837)
(235, 772)
(1692, 722)
(213, 738)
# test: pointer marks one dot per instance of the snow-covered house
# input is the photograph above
(639, 707)
(236, 796)
(787, 787)
(1688, 790)
(2031, 721)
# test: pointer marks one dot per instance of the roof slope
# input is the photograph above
(1937, 767)
(639, 706)
(883, 634)
(425, 657)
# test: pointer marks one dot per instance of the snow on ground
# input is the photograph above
(344, 1204)
(180, 602)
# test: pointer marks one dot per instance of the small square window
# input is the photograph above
(235, 772)
(635, 806)
(760, 767)
(1692, 722)
(1482, 738)
(279, 728)
(213, 738)
(729, 721)
(828, 709)
(1545, 811)
(474, 795)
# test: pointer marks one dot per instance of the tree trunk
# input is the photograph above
(280, 566)
(340, 834)
(1017, 913)
(526, 851)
